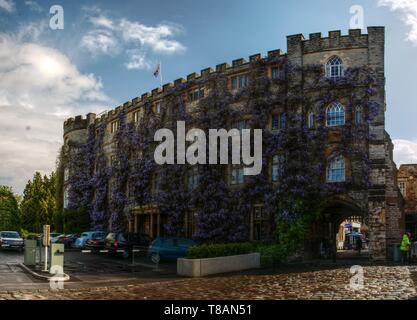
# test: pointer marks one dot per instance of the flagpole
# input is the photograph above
(160, 72)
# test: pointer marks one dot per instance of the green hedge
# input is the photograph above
(219, 250)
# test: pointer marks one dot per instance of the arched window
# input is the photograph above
(334, 68)
(335, 115)
(358, 115)
(336, 169)
(311, 120)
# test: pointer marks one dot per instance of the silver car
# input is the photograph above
(11, 240)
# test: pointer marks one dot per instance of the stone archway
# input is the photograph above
(322, 235)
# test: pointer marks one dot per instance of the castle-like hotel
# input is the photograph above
(308, 81)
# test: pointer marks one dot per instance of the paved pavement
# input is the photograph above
(380, 282)
(95, 276)
(85, 270)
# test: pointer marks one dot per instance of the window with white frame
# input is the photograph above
(277, 167)
(237, 175)
(196, 94)
(277, 73)
(279, 121)
(311, 120)
(114, 126)
(66, 174)
(402, 187)
(65, 198)
(336, 169)
(240, 82)
(136, 115)
(335, 115)
(158, 107)
(358, 115)
(334, 68)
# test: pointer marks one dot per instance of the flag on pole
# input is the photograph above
(157, 70)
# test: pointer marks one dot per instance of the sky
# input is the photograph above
(107, 51)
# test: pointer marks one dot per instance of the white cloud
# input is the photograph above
(405, 151)
(137, 60)
(408, 11)
(7, 5)
(157, 38)
(100, 42)
(102, 21)
(111, 37)
(39, 89)
(34, 6)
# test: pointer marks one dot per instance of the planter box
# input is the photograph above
(204, 267)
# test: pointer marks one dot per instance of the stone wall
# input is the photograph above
(381, 203)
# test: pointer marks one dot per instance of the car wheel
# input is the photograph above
(125, 254)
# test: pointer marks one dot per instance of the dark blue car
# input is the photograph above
(169, 248)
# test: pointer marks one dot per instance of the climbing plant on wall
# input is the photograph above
(221, 211)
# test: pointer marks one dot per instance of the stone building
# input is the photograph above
(407, 182)
(309, 81)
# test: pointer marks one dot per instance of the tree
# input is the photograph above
(39, 203)
(9, 210)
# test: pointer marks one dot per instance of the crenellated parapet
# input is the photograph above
(334, 40)
(78, 123)
(297, 47)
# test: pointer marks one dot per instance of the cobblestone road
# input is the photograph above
(379, 283)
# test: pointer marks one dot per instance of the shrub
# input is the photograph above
(272, 254)
(219, 250)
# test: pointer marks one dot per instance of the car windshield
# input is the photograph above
(12, 235)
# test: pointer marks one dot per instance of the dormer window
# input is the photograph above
(334, 68)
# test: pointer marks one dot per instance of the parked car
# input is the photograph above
(68, 240)
(169, 248)
(85, 236)
(96, 243)
(54, 236)
(123, 243)
(11, 240)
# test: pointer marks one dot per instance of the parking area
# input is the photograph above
(86, 269)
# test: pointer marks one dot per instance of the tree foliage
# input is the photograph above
(9, 210)
(38, 206)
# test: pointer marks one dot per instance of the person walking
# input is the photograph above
(359, 244)
(405, 247)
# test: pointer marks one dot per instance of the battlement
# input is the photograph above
(297, 45)
(334, 40)
(180, 84)
(79, 123)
